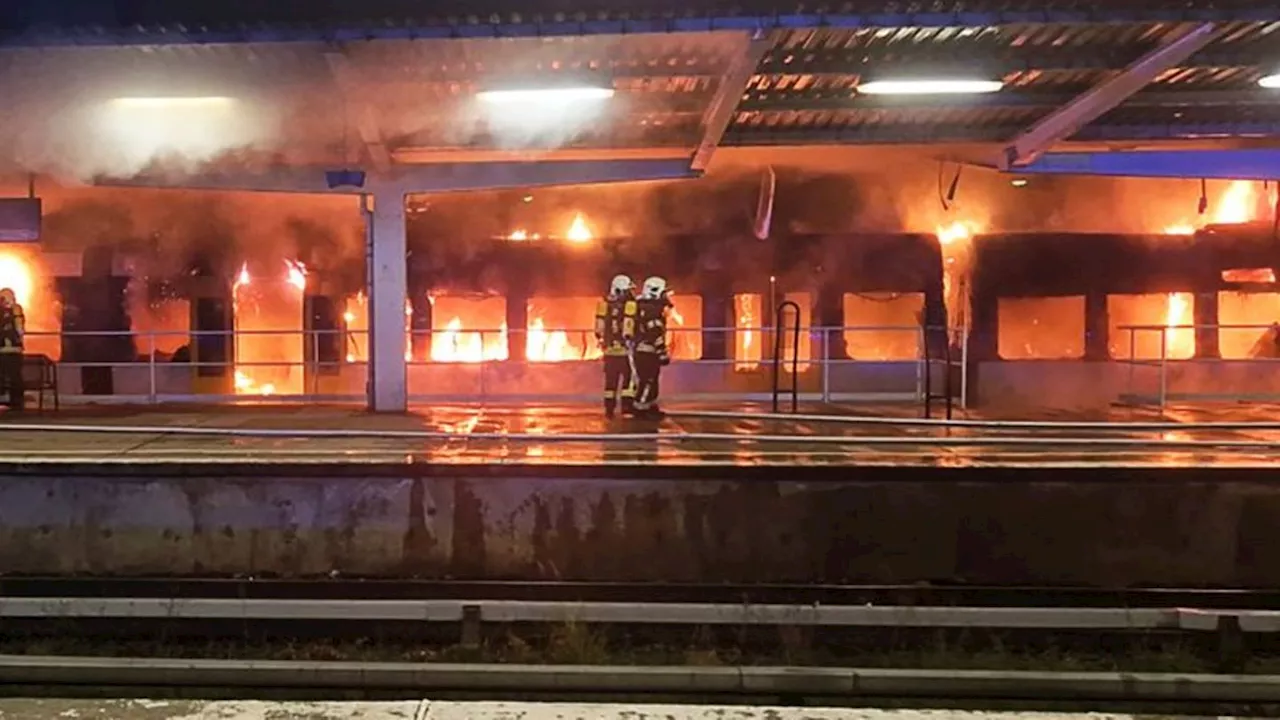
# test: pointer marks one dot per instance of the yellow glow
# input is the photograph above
(172, 102)
(578, 230)
(930, 87)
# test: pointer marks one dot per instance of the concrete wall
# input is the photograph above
(1082, 385)
(898, 525)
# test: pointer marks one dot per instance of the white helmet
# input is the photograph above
(621, 285)
(654, 288)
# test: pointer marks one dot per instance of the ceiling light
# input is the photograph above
(929, 87)
(545, 96)
(1270, 82)
(170, 102)
(1018, 182)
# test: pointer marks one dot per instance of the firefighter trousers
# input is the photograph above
(648, 370)
(11, 379)
(618, 381)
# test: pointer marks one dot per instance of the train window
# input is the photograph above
(748, 323)
(684, 327)
(1050, 328)
(882, 326)
(1245, 308)
(1166, 310)
(468, 329)
(561, 328)
(269, 343)
(162, 326)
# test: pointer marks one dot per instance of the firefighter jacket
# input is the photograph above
(13, 328)
(615, 325)
(651, 326)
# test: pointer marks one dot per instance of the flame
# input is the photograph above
(578, 230)
(296, 274)
(17, 274)
(268, 323)
(454, 345)
(21, 270)
(1237, 204)
(747, 350)
(956, 241)
(1180, 341)
(355, 320)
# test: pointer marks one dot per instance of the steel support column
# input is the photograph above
(728, 96)
(388, 389)
(432, 178)
(1069, 119)
(1260, 164)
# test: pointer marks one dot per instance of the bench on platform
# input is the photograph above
(39, 374)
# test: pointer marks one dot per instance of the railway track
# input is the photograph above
(897, 595)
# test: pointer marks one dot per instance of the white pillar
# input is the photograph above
(388, 288)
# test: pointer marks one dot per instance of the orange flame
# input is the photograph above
(1237, 204)
(956, 241)
(269, 329)
(578, 230)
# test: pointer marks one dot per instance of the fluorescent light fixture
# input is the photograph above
(1270, 82)
(171, 102)
(545, 96)
(929, 87)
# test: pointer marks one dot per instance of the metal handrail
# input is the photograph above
(929, 397)
(780, 321)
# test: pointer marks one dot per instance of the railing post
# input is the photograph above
(1164, 371)
(826, 366)
(151, 367)
(964, 367)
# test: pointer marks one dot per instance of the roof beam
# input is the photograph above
(1092, 104)
(435, 178)
(913, 133)
(1257, 164)
(728, 95)
(1009, 99)
(366, 118)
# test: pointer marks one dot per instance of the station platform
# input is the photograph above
(579, 435)
(550, 492)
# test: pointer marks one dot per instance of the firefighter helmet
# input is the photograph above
(621, 285)
(654, 288)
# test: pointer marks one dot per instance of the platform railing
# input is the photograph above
(330, 365)
(1164, 370)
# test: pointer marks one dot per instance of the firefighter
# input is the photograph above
(615, 330)
(13, 327)
(651, 345)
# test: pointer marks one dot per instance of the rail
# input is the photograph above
(1205, 375)
(780, 314)
(832, 364)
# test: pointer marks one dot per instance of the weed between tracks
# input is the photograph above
(575, 643)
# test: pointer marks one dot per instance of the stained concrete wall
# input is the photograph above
(895, 526)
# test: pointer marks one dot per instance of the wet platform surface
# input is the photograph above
(579, 435)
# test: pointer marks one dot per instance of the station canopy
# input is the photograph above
(379, 82)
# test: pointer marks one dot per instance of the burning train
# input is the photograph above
(1062, 319)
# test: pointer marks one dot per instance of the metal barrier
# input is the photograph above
(1200, 377)
(781, 318)
(709, 364)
